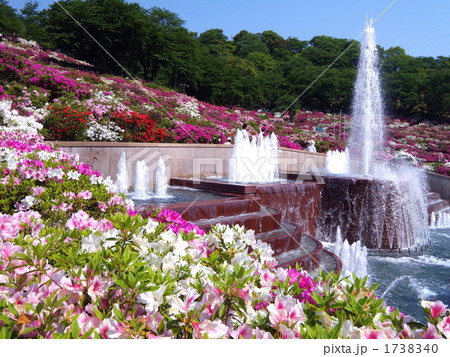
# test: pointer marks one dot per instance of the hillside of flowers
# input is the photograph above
(77, 261)
(73, 102)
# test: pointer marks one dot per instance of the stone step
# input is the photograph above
(266, 220)
(216, 208)
(433, 196)
(329, 262)
(308, 255)
(432, 199)
(281, 240)
(438, 206)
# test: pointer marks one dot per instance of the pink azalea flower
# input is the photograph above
(261, 334)
(444, 326)
(110, 328)
(8, 249)
(243, 331)
(38, 190)
(87, 322)
(81, 220)
(277, 317)
(368, 333)
(437, 308)
(85, 195)
(294, 275)
(286, 333)
(267, 278)
(432, 333)
(214, 329)
(132, 212)
(98, 287)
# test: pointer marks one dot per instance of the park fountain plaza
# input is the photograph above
(364, 202)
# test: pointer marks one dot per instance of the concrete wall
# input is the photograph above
(182, 160)
(439, 184)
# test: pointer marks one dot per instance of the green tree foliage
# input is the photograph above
(32, 20)
(10, 23)
(247, 42)
(254, 70)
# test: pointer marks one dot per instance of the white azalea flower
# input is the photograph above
(150, 227)
(152, 299)
(168, 236)
(73, 175)
(56, 173)
(169, 263)
(91, 243)
(228, 236)
(180, 247)
(28, 201)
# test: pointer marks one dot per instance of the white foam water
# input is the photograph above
(421, 259)
(337, 162)
(440, 220)
(353, 256)
(140, 181)
(161, 182)
(254, 160)
(122, 175)
(367, 124)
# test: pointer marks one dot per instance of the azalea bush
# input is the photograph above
(76, 261)
(139, 278)
(138, 127)
(66, 123)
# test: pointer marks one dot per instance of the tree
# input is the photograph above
(247, 42)
(33, 21)
(323, 50)
(216, 42)
(272, 40)
(238, 84)
(170, 50)
(10, 24)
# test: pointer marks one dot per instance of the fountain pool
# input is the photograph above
(406, 278)
(177, 195)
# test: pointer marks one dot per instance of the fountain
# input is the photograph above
(140, 181)
(367, 126)
(440, 220)
(161, 184)
(122, 176)
(378, 203)
(337, 162)
(254, 160)
(353, 256)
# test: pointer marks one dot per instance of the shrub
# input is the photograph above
(66, 123)
(138, 127)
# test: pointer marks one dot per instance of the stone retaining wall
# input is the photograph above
(182, 160)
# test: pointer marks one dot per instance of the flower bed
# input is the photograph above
(76, 261)
(117, 109)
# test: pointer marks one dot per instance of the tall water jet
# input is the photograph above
(161, 184)
(140, 181)
(366, 141)
(380, 203)
(254, 160)
(122, 176)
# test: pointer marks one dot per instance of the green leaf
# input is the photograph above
(75, 330)
(87, 334)
(5, 333)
